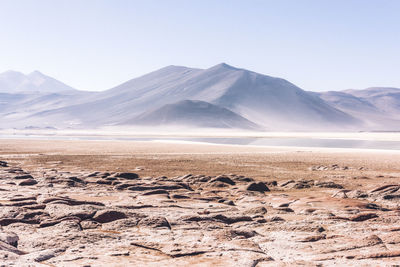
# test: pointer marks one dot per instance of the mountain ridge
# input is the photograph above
(271, 102)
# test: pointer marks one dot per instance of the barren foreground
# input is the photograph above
(98, 203)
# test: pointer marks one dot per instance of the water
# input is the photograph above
(290, 141)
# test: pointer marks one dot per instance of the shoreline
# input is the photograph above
(285, 148)
(200, 133)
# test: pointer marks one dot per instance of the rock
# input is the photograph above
(126, 175)
(284, 209)
(380, 255)
(178, 196)
(219, 218)
(59, 211)
(7, 247)
(341, 194)
(103, 181)
(28, 182)
(243, 233)
(373, 206)
(287, 182)
(300, 184)
(156, 192)
(45, 254)
(105, 216)
(89, 224)
(357, 194)
(312, 238)
(219, 184)
(391, 196)
(77, 180)
(22, 198)
(3, 163)
(118, 253)
(22, 177)
(276, 219)
(256, 210)
(93, 174)
(223, 179)
(123, 186)
(363, 217)
(48, 223)
(272, 183)
(244, 179)
(9, 238)
(231, 219)
(70, 201)
(227, 202)
(155, 222)
(156, 187)
(259, 187)
(391, 187)
(328, 185)
(21, 204)
(8, 221)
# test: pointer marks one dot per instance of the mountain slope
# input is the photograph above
(193, 114)
(386, 99)
(268, 101)
(379, 107)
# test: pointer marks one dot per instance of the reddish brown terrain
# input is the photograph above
(126, 203)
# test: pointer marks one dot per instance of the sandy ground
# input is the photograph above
(170, 159)
(318, 194)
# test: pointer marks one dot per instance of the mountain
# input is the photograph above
(35, 82)
(23, 95)
(271, 102)
(379, 107)
(220, 96)
(189, 113)
(386, 99)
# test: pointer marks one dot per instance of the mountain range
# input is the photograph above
(218, 97)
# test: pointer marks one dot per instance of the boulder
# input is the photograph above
(259, 187)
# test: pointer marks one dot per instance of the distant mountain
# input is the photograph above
(378, 107)
(23, 95)
(220, 96)
(35, 82)
(192, 113)
(385, 99)
(271, 102)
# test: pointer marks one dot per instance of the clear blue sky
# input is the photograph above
(97, 44)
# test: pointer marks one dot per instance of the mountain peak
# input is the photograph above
(12, 73)
(223, 65)
(36, 73)
(14, 81)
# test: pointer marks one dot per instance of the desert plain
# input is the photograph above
(136, 203)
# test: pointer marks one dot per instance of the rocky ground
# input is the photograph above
(319, 212)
